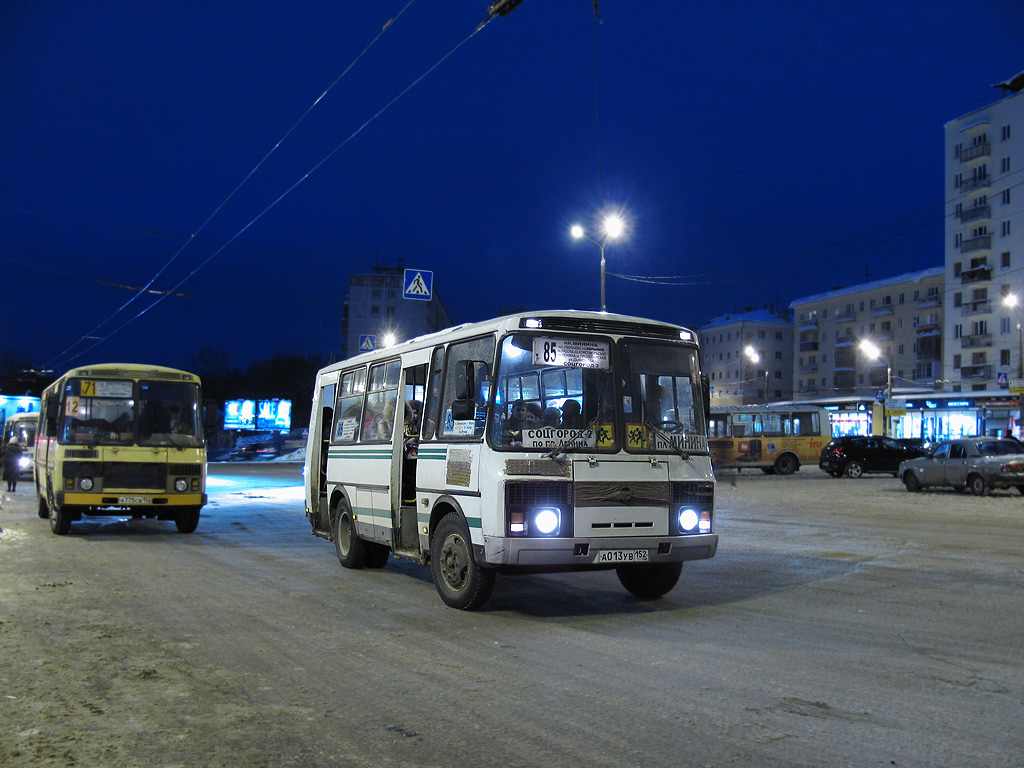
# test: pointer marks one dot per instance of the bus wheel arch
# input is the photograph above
(786, 463)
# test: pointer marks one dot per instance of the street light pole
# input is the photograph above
(874, 353)
(613, 227)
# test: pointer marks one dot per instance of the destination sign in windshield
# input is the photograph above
(571, 353)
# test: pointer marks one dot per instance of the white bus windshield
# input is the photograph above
(554, 391)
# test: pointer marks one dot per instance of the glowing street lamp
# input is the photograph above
(1011, 301)
(613, 226)
(872, 352)
(754, 357)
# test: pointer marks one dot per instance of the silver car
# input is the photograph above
(978, 463)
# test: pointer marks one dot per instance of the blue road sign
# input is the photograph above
(1002, 379)
(418, 284)
(367, 342)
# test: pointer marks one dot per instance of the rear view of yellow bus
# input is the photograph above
(549, 441)
(121, 439)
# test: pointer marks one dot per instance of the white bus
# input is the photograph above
(548, 441)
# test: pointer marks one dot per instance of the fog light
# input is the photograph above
(85, 483)
(688, 519)
(705, 522)
(546, 521)
(516, 524)
(181, 485)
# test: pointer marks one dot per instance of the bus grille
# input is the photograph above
(697, 494)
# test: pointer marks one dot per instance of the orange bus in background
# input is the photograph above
(776, 439)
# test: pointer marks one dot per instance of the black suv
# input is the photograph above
(854, 456)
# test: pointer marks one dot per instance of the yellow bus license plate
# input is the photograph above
(623, 556)
(134, 499)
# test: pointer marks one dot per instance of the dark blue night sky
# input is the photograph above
(760, 152)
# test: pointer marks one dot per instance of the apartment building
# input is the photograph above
(984, 243)
(748, 356)
(902, 317)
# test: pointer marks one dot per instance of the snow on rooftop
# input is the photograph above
(908, 277)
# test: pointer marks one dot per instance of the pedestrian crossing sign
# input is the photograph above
(418, 284)
(367, 342)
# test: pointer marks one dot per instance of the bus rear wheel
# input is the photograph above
(460, 581)
(786, 464)
(649, 580)
(187, 520)
(353, 552)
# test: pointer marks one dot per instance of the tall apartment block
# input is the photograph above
(900, 316)
(984, 243)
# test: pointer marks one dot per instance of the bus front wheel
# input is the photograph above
(44, 509)
(187, 520)
(649, 580)
(459, 579)
(786, 464)
(60, 520)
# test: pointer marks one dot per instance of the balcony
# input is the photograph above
(976, 372)
(984, 149)
(805, 369)
(882, 309)
(980, 243)
(976, 274)
(969, 185)
(975, 213)
(976, 340)
(809, 346)
(932, 300)
(976, 307)
(845, 337)
(846, 316)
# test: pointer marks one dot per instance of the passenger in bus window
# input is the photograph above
(551, 417)
(571, 415)
(533, 416)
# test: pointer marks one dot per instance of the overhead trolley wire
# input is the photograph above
(173, 289)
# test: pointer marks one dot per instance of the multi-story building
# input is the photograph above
(748, 357)
(375, 308)
(984, 247)
(900, 316)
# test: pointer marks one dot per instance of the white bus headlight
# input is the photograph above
(688, 520)
(25, 462)
(545, 521)
(181, 485)
(85, 483)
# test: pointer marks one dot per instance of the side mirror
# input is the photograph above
(50, 416)
(705, 390)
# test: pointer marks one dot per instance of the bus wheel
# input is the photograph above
(459, 580)
(649, 580)
(786, 464)
(44, 509)
(187, 520)
(60, 520)
(352, 551)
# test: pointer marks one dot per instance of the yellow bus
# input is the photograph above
(546, 441)
(121, 439)
(776, 439)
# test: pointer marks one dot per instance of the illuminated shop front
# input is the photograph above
(947, 416)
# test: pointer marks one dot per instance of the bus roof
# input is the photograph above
(559, 320)
(130, 371)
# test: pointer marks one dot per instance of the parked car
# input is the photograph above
(978, 463)
(857, 455)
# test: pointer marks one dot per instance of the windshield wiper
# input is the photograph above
(668, 439)
(554, 452)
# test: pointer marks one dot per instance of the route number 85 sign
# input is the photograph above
(571, 353)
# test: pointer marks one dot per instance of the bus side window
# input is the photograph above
(479, 355)
(350, 405)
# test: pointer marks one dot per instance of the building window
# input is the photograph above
(375, 310)
(958, 299)
(1004, 165)
(1005, 259)
(1006, 197)
(1006, 228)
(956, 362)
(1006, 132)
(1004, 325)
(901, 298)
(1004, 357)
